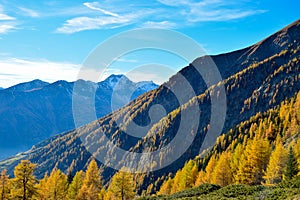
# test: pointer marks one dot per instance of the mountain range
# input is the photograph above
(33, 111)
(255, 79)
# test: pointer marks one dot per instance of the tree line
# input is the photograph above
(57, 186)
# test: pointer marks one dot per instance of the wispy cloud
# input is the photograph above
(89, 23)
(106, 19)
(29, 12)
(160, 24)
(211, 10)
(5, 17)
(170, 14)
(221, 15)
(7, 23)
(4, 28)
(95, 6)
(15, 70)
(111, 21)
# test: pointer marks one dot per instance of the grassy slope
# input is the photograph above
(285, 190)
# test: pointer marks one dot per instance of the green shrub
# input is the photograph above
(294, 183)
(197, 191)
(233, 191)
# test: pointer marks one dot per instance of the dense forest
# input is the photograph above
(262, 151)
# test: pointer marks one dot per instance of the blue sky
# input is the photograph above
(49, 40)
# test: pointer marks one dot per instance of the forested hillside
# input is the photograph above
(259, 82)
(258, 158)
(264, 150)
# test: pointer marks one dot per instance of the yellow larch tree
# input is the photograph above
(277, 163)
(222, 174)
(122, 186)
(4, 185)
(23, 185)
(92, 183)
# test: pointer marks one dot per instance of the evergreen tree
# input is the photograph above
(277, 163)
(75, 185)
(122, 186)
(291, 169)
(24, 182)
(4, 185)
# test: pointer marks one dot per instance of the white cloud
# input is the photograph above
(7, 23)
(78, 24)
(95, 6)
(29, 12)
(161, 24)
(15, 70)
(109, 20)
(210, 10)
(89, 23)
(168, 14)
(4, 28)
(220, 15)
(175, 3)
(5, 17)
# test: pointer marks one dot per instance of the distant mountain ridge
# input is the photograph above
(28, 86)
(33, 111)
(256, 79)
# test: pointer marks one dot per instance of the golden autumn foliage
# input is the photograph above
(277, 163)
(122, 186)
(92, 183)
(23, 185)
(253, 153)
(4, 185)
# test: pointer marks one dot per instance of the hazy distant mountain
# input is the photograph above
(33, 111)
(256, 79)
(28, 86)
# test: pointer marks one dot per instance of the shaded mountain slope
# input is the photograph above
(33, 111)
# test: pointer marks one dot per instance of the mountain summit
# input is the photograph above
(28, 86)
(33, 111)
